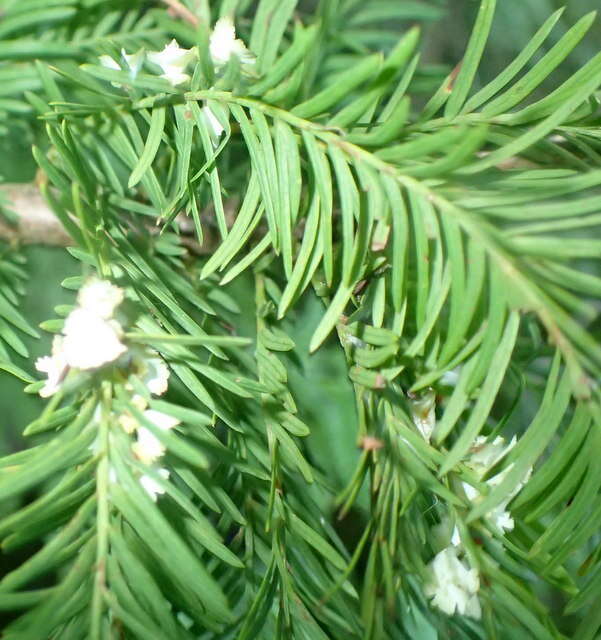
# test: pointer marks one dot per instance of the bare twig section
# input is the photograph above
(37, 223)
(179, 10)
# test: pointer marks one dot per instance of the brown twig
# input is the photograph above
(36, 222)
(178, 9)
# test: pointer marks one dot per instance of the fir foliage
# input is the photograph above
(456, 235)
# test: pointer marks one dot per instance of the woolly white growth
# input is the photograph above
(471, 493)
(224, 44)
(139, 402)
(133, 62)
(90, 341)
(453, 586)
(160, 419)
(156, 375)
(109, 63)
(126, 420)
(455, 538)
(500, 516)
(100, 297)
(90, 337)
(214, 124)
(483, 457)
(151, 486)
(173, 60)
(148, 447)
(55, 366)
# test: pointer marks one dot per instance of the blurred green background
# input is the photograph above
(516, 21)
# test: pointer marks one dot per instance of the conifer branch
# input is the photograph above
(447, 246)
